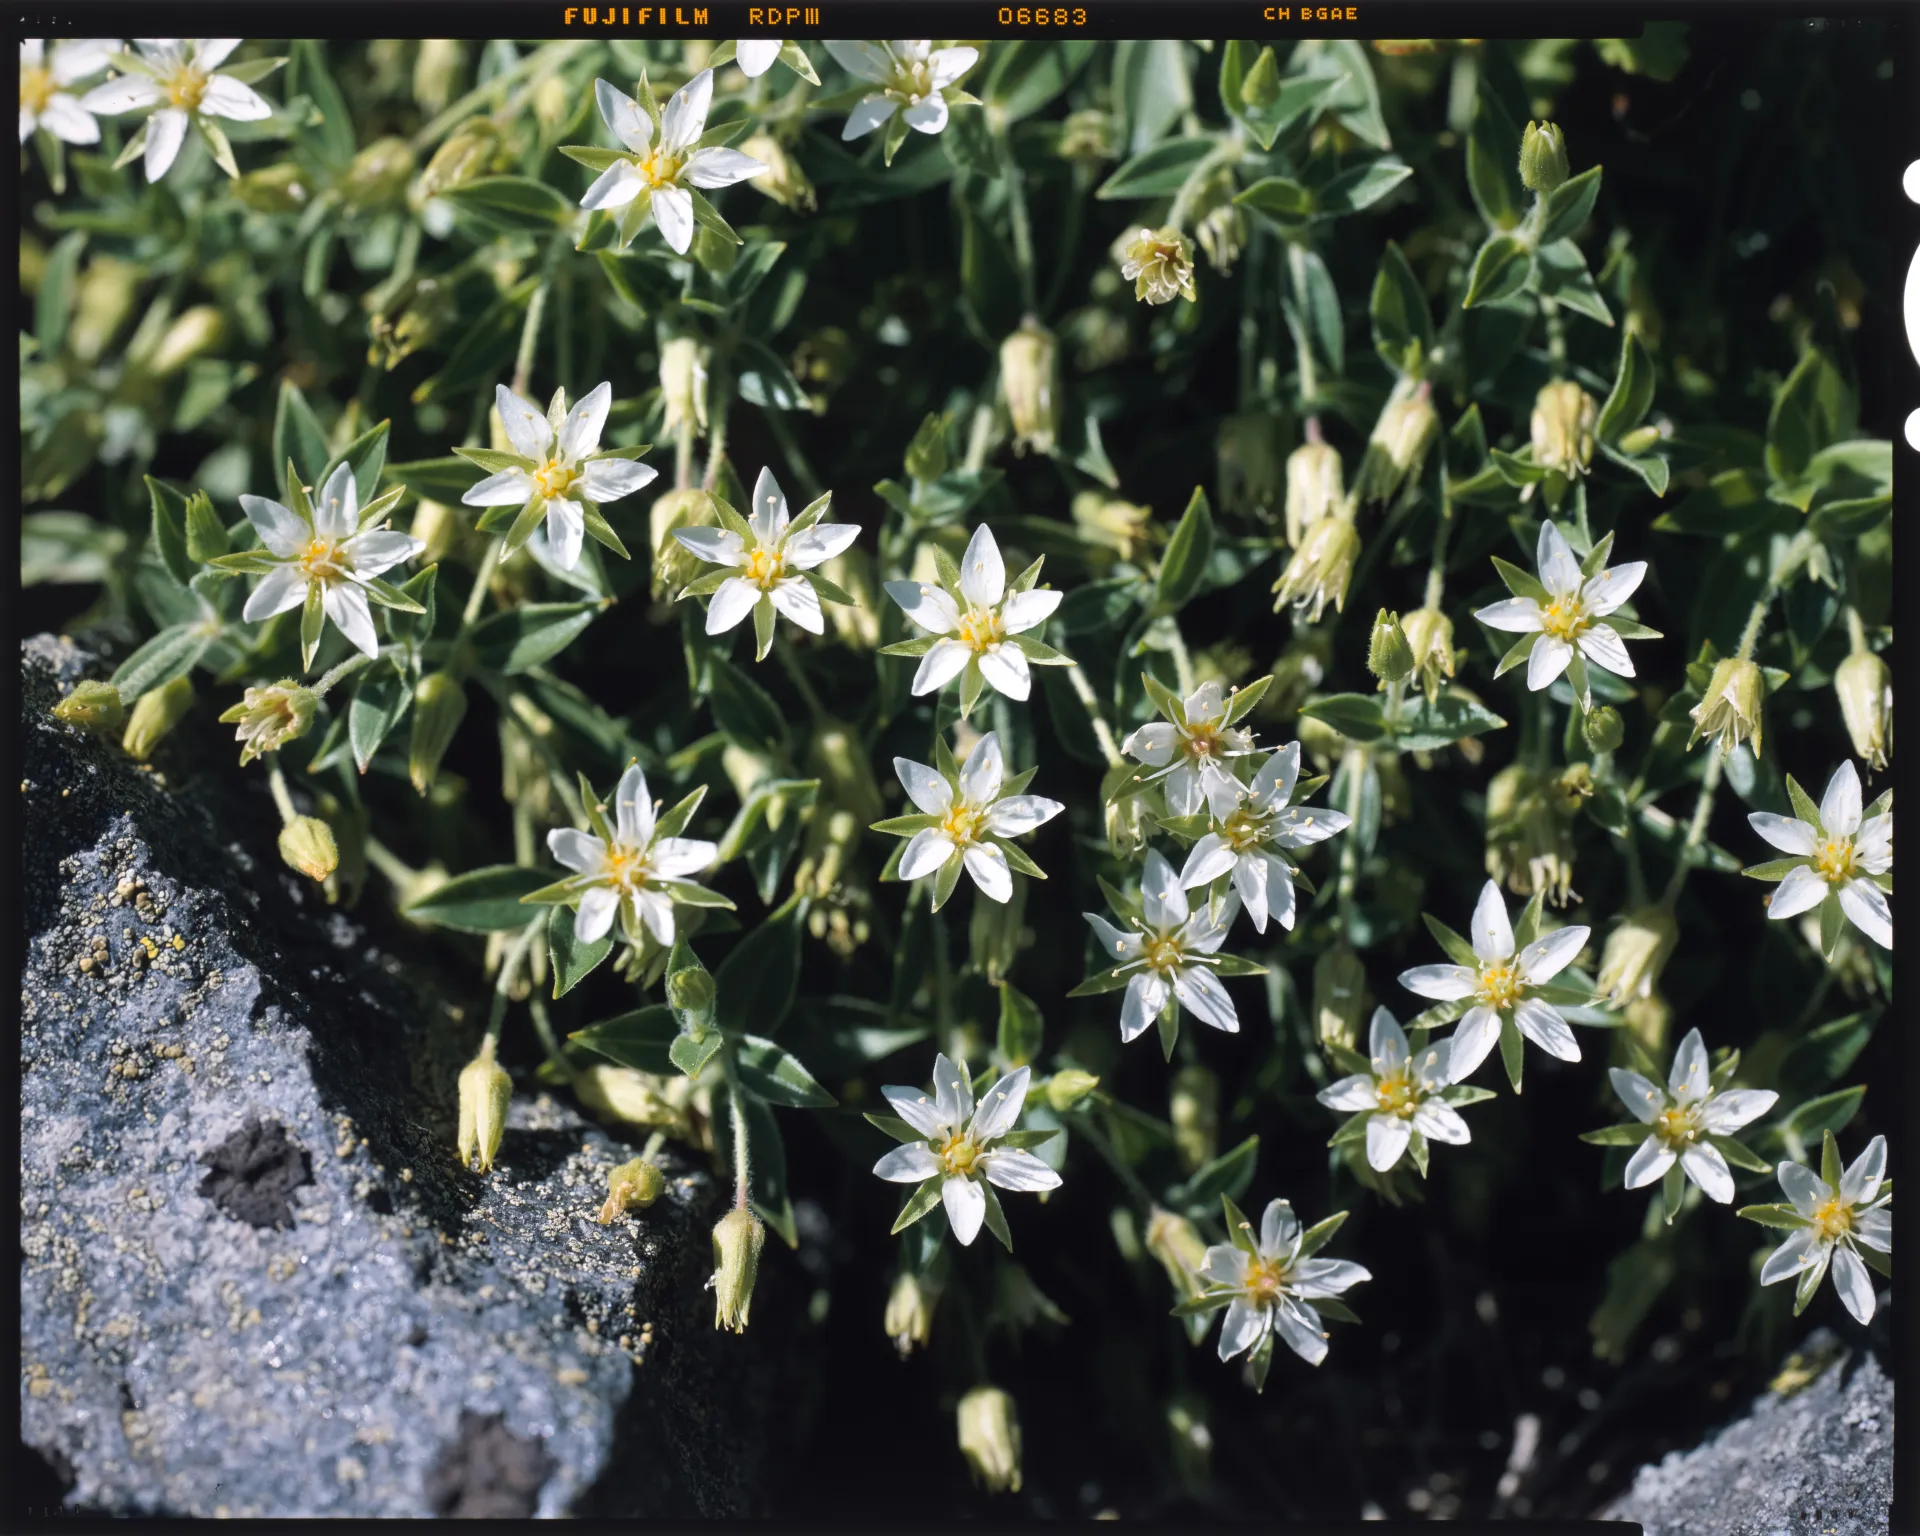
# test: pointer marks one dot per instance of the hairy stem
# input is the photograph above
(340, 674)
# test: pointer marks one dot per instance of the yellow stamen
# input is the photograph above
(625, 867)
(1396, 1094)
(186, 88)
(1202, 740)
(764, 568)
(962, 824)
(1162, 955)
(659, 169)
(1265, 1280)
(320, 560)
(1500, 986)
(980, 628)
(36, 88)
(1834, 1218)
(1834, 860)
(555, 478)
(958, 1154)
(1563, 618)
(1677, 1126)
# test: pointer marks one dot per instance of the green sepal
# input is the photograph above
(1630, 1135)
(1809, 1283)
(1673, 1189)
(600, 530)
(1018, 860)
(707, 585)
(686, 893)
(1233, 965)
(733, 522)
(389, 596)
(493, 461)
(247, 562)
(1105, 981)
(1240, 704)
(1781, 1216)
(944, 880)
(1517, 653)
(313, 618)
(1803, 807)
(915, 647)
(1335, 1308)
(1740, 1154)
(1240, 1231)
(1319, 1235)
(1519, 582)
(996, 1218)
(1830, 1169)
(1027, 1140)
(895, 1127)
(972, 685)
(1164, 699)
(904, 826)
(1512, 1050)
(762, 627)
(1459, 950)
(675, 821)
(924, 1199)
(1527, 929)
(829, 592)
(561, 893)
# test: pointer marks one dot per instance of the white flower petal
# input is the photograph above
(988, 866)
(966, 1208)
(1299, 1326)
(1433, 1066)
(1708, 1169)
(928, 115)
(1803, 889)
(1242, 1327)
(755, 57)
(166, 132)
(1153, 744)
(625, 116)
(952, 1090)
(278, 591)
(684, 118)
(508, 488)
(675, 858)
(229, 98)
(928, 790)
(717, 546)
(1019, 814)
(864, 61)
(926, 851)
(913, 1163)
(1328, 1277)
(1689, 1077)
(283, 531)
(1606, 591)
(947, 65)
(800, 603)
(1548, 956)
(931, 608)
(581, 852)
(66, 121)
(594, 918)
(1550, 657)
(1491, 931)
(1005, 668)
(615, 187)
(819, 544)
(717, 167)
(1559, 571)
(524, 423)
(1875, 1229)
(1000, 1106)
(1209, 859)
(1866, 905)
(983, 574)
(1027, 610)
(633, 808)
(1648, 1163)
(1605, 649)
(1349, 1094)
(379, 549)
(1873, 844)
(1861, 1182)
(1273, 785)
(211, 52)
(983, 772)
(1473, 1041)
(1805, 1188)
(1203, 995)
(1279, 1228)
(1443, 983)
(1019, 1171)
(1840, 805)
(347, 606)
(580, 432)
(673, 212)
(867, 116)
(129, 93)
(1798, 1253)
(1161, 896)
(1256, 880)
(566, 531)
(1784, 833)
(913, 1106)
(1117, 946)
(1643, 1098)
(732, 601)
(1146, 995)
(940, 666)
(1386, 1044)
(610, 479)
(1387, 1138)
(1225, 1265)
(1441, 1122)
(1184, 788)
(1542, 1024)
(1725, 1113)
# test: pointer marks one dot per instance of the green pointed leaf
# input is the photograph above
(758, 980)
(923, 1199)
(1570, 205)
(481, 900)
(1783, 1217)
(778, 1077)
(529, 636)
(895, 1127)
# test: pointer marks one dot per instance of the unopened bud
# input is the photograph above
(93, 707)
(690, 992)
(1389, 656)
(1314, 488)
(351, 824)
(1127, 826)
(1339, 996)
(683, 385)
(1429, 635)
(1253, 475)
(1562, 428)
(737, 1239)
(1193, 1107)
(306, 844)
(439, 705)
(485, 1092)
(1865, 686)
(990, 1438)
(1159, 264)
(553, 103)
(1604, 729)
(1088, 137)
(1635, 954)
(1068, 1087)
(1260, 86)
(632, 1187)
(856, 624)
(197, 331)
(909, 1315)
(377, 177)
(1640, 439)
(926, 457)
(621, 1093)
(1223, 235)
(206, 534)
(1180, 1248)
(270, 717)
(674, 565)
(1120, 526)
(427, 313)
(102, 299)
(782, 180)
(1397, 450)
(156, 712)
(1320, 569)
(1028, 384)
(1730, 709)
(1543, 157)
(464, 155)
(282, 188)
(437, 71)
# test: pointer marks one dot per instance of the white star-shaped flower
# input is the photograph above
(176, 80)
(45, 74)
(1191, 746)
(636, 873)
(1564, 615)
(1172, 953)
(1401, 1095)
(664, 172)
(913, 77)
(756, 56)
(1272, 1289)
(981, 626)
(773, 556)
(328, 561)
(556, 470)
(959, 1149)
(1835, 856)
(964, 818)
(1683, 1115)
(1837, 1217)
(1502, 985)
(1253, 827)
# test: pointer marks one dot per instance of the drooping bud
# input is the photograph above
(270, 717)
(737, 1239)
(1180, 1249)
(1320, 568)
(307, 845)
(1314, 488)
(1397, 450)
(1640, 439)
(1088, 138)
(1730, 709)
(632, 1187)
(427, 312)
(1193, 1107)
(1543, 157)
(674, 565)
(1429, 635)
(95, 707)
(1865, 686)
(197, 331)
(782, 180)
(1068, 1087)
(1159, 264)
(990, 1438)
(1564, 415)
(281, 188)
(437, 71)
(683, 385)
(1339, 996)
(465, 154)
(926, 457)
(621, 1093)
(909, 1315)
(156, 712)
(1529, 832)
(485, 1092)
(1260, 86)
(1127, 826)
(1253, 475)
(1112, 524)
(1635, 954)
(1028, 384)
(439, 705)
(1389, 655)
(102, 300)
(206, 534)
(1604, 729)
(1223, 235)
(377, 177)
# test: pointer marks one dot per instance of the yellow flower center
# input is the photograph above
(1396, 1094)
(1266, 1278)
(764, 568)
(186, 87)
(1677, 1126)
(1246, 828)
(1834, 859)
(958, 1153)
(659, 169)
(1564, 618)
(1834, 1218)
(1201, 740)
(36, 88)
(625, 867)
(554, 478)
(320, 560)
(912, 81)
(962, 823)
(980, 628)
(1162, 955)
(1500, 986)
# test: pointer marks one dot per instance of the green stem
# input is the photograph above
(543, 1027)
(1022, 225)
(683, 456)
(1182, 662)
(1856, 632)
(1437, 567)
(482, 579)
(530, 327)
(1083, 691)
(1358, 763)
(797, 675)
(397, 872)
(654, 1143)
(741, 1171)
(810, 484)
(341, 673)
(717, 410)
(277, 783)
(510, 973)
(544, 60)
(1303, 350)
(1696, 829)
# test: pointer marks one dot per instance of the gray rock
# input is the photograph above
(1819, 1459)
(255, 1280)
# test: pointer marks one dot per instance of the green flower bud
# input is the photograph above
(1529, 837)
(1429, 635)
(377, 177)
(632, 1187)
(690, 992)
(1180, 1249)
(737, 1239)
(307, 845)
(1159, 264)
(622, 1094)
(1127, 825)
(1068, 1087)
(1865, 686)
(1320, 569)
(1223, 235)
(102, 300)
(854, 624)
(909, 1315)
(1730, 710)
(351, 824)
(990, 1438)
(156, 712)
(1389, 656)
(1640, 439)
(1604, 729)
(1260, 86)
(1562, 428)
(466, 154)
(437, 71)
(927, 457)
(1193, 1106)
(278, 188)
(1543, 157)
(782, 180)
(1397, 450)
(1112, 524)
(1314, 488)
(1253, 476)
(552, 105)
(427, 313)
(206, 534)
(1339, 996)
(683, 385)
(270, 717)
(1028, 385)
(195, 332)
(674, 565)
(485, 1092)
(439, 705)
(1635, 954)
(1088, 138)
(93, 707)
